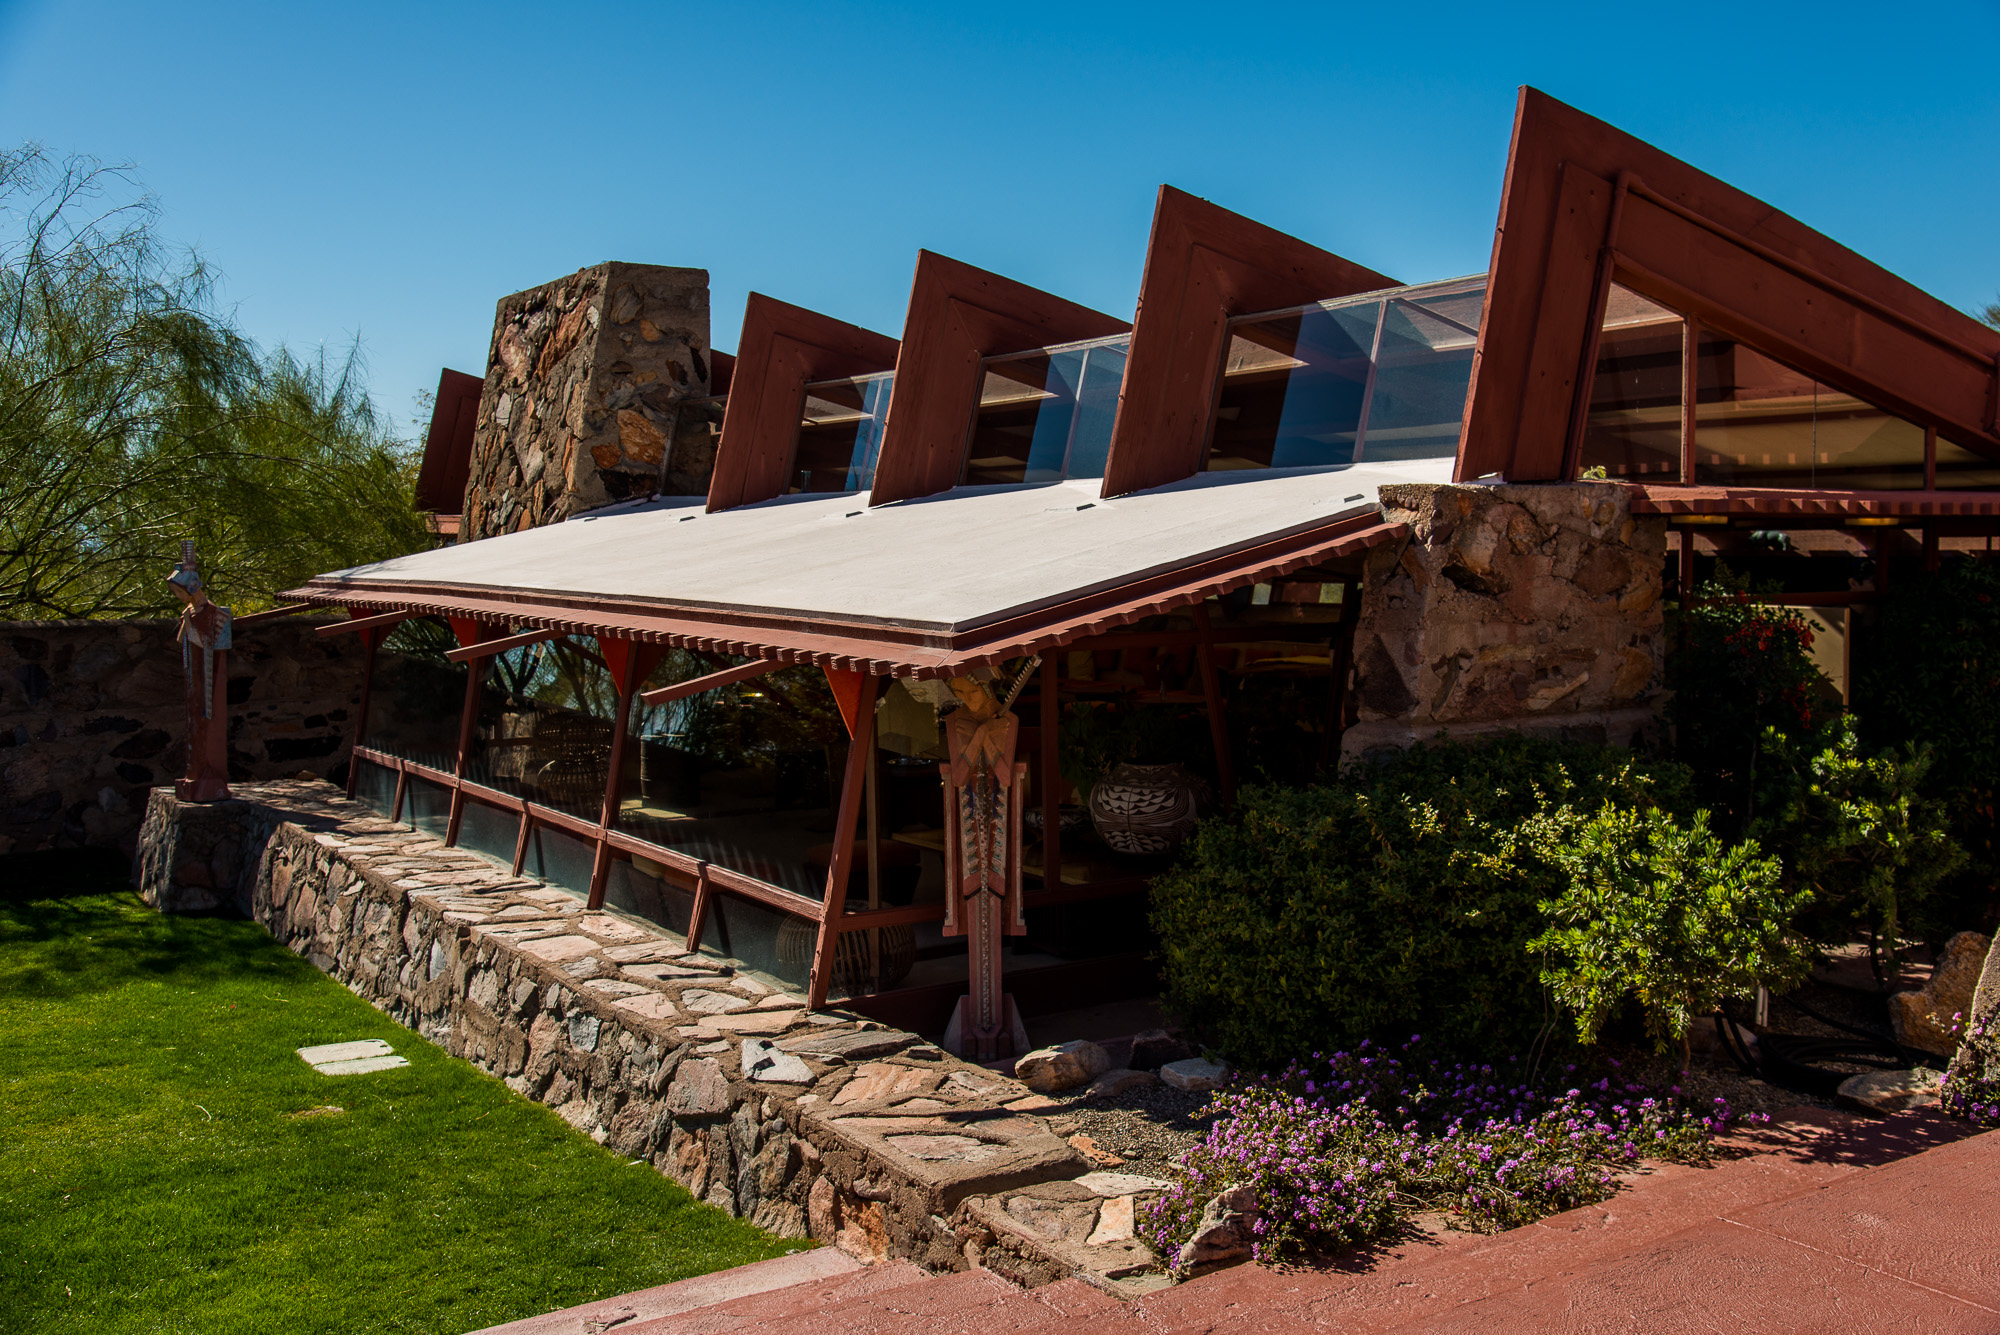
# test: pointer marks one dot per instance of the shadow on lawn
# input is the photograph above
(70, 925)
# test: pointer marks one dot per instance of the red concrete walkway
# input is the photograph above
(1835, 1225)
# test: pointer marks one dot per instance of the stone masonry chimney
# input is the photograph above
(591, 383)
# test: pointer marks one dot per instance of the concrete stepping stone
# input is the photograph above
(356, 1058)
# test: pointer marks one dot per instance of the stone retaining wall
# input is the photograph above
(1531, 607)
(91, 717)
(821, 1125)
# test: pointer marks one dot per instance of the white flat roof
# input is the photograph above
(950, 562)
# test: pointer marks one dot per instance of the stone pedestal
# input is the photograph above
(587, 383)
(1510, 607)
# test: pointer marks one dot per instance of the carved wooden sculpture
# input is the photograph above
(205, 642)
(983, 901)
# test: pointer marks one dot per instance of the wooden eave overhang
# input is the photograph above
(1787, 503)
(860, 645)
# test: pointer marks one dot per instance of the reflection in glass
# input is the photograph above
(544, 725)
(1046, 415)
(1634, 426)
(744, 776)
(417, 696)
(840, 433)
(1961, 469)
(1759, 423)
(1380, 376)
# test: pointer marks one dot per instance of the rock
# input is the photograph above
(1891, 1091)
(761, 1061)
(1225, 1232)
(1925, 1019)
(1117, 1082)
(1155, 1048)
(1119, 1184)
(712, 1003)
(699, 1089)
(1194, 1075)
(1114, 1223)
(1064, 1066)
(1092, 1151)
(852, 1046)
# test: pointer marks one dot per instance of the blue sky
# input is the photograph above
(386, 172)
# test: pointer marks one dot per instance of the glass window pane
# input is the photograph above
(544, 725)
(840, 434)
(744, 776)
(1046, 415)
(418, 696)
(1423, 367)
(1297, 384)
(1634, 427)
(1961, 469)
(1759, 423)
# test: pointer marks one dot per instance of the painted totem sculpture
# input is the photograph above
(205, 641)
(983, 784)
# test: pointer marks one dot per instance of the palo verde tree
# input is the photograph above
(132, 414)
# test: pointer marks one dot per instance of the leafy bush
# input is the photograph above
(1857, 832)
(1341, 1151)
(1397, 899)
(1663, 914)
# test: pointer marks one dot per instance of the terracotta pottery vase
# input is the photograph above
(1147, 809)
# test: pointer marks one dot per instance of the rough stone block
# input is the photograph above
(1064, 1066)
(1194, 1076)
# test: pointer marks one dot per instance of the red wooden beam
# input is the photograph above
(783, 348)
(489, 648)
(957, 316)
(1204, 264)
(1580, 193)
(365, 625)
(726, 677)
(447, 464)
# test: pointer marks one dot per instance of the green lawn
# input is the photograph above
(162, 1167)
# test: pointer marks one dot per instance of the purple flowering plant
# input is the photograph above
(1341, 1151)
(1971, 1089)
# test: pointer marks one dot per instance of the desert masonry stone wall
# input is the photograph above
(1531, 607)
(819, 1124)
(587, 380)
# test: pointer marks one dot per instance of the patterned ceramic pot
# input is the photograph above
(1147, 809)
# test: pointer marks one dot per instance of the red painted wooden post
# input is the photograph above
(698, 917)
(466, 631)
(371, 643)
(629, 664)
(860, 753)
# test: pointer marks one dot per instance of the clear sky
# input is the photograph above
(387, 171)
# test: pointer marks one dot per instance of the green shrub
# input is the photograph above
(1858, 832)
(1395, 900)
(1662, 914)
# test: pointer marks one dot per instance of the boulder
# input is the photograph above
(1225, 1233)
(1194, 1075)
(1926, 1019)
(1155, 1048)
(1117, 1082)
(1064, 1066)
(1887, 1092)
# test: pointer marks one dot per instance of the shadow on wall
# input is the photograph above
(91, 718)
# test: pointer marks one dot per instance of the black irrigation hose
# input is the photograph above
(1795, 1061)
(1875, 1035)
